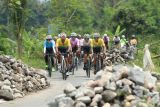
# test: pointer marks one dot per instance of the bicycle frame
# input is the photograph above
(63, 66)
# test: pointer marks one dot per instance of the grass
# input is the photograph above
(34, 62)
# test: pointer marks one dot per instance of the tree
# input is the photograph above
(17, 10)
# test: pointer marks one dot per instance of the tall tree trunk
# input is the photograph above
(19, 43)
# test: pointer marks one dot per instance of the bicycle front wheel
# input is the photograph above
(50, 66)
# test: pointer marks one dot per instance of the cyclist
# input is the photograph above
(74, 45)
(49, 48)
(123, 41)
(81, 39)
(116, 42)
(106, 41)
(133, 41)
(74, 42)
(86, 48)
(98, 46)
(63, 46)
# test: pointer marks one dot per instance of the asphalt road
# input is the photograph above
(44, 98)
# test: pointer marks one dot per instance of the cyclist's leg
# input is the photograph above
(46, 56)
(86, 50)
(46, 60)
(95, 58)
(60, 50)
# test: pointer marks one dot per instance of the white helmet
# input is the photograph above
(87, 36)
(105, 35)
(133, 35)
(63, 34)
(123, 36)
(96, 35)
(59, 35)
(73, 34)
(49, 37)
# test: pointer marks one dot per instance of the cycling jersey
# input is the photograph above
(49, 47)
(49, 44)
(74, 42)
(98, 43)
(116, 40)
(133, 42)
(81, 42)
(66, 43)
(106, 39)
(87, 43)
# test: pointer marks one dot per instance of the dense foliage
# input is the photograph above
(24, 23)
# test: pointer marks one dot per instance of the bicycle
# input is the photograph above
(98, 62)
(56, 63)
(74, 62)
(49, 57)
(63, 68)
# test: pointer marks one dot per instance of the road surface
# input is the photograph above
(44, 98)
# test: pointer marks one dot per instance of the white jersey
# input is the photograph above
(81, 42)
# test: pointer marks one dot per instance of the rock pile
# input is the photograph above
(17, 79)
(118, 86)
(116, 56)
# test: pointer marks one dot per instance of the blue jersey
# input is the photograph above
(49, 44)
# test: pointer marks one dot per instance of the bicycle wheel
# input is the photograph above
(73, 65)
(76, 63)
(98, 64)
(63, 69)
(56, 64)
(49, 66)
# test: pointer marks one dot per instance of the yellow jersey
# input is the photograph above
(133, 42)
(98, 43)
(66, 43)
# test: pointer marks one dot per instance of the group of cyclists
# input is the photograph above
(86, 45)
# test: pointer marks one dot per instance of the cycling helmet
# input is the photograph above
(105, 35)
(73, 34)
(87, 36)
(49, 37)
(123, 36)
(63, 35)
(59, 35)
(133, 36)
(96, 35)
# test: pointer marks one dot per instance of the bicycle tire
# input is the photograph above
(73, 66)
(63, 70)
(49, 66)
(76, 63)
(56, 65)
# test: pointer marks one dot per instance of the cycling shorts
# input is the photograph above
(49, 51)
(74, 49)
(97, 49)
(86, 49)
(63, 50)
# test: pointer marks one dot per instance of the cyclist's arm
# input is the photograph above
(53, 46)
(69, 46)
(44, 50)
(57, 45)
(78, 44)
